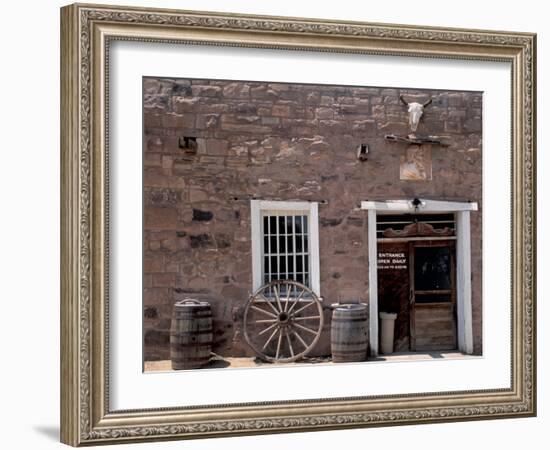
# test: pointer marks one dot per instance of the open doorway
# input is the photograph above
(417, 280)
(400, 222)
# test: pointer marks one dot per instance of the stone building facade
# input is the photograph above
(211, 146)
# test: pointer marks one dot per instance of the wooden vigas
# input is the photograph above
(417, 280)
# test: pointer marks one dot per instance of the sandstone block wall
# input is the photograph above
(278, 141)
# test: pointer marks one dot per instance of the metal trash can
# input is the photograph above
(387, 327)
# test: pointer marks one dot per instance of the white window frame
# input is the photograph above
(257, 209)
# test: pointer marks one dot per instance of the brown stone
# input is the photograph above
(270, 121)
(207, 121)
(217, 147)
(245, 128)
(152, 264)
(164, 280)
(390, 93)
(151, 120)
(264, 93)
(155, 103)
(156, 337)
(456, 100)
(161, 197)
(366, 127)
(151, 159)
(280, 111)
(473, 124)
(212, 160)
(324, 113)
(182, 105)
(154, 144)
(313, 98)
(197, 195)
(206, 91)
(178, 121)
(394, 128)
(161, 218)
(236, 90)
(167, 162)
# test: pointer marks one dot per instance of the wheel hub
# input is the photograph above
(283, 318)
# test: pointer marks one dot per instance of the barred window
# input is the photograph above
(285, 242)
(285, 252)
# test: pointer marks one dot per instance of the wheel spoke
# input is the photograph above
(304, 307)
(302, 318)
(296, 301)
(266, 321)
(289, 345)
(277, 298)
(279, 343)
(270, 303)
(255, 308)
(300, 338)
(287, 300)
(270, 338)
(309, 330)
(270, 327)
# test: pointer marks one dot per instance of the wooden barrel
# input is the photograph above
(348, 333)
(190, 334)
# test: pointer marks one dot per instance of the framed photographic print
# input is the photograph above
(277, 224)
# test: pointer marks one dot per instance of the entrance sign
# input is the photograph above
(392, 261)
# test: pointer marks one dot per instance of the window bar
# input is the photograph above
(295, 278)
(304, 250)
(264, 248)
(285, 237)
(276, 249)
(268, 253)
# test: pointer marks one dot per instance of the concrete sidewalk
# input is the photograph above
(218, 362)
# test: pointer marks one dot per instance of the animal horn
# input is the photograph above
(427, 103)
(403, 100)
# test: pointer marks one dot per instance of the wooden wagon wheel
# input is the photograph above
(283, 321)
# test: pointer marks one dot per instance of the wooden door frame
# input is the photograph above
(412, 245)
(463, 261)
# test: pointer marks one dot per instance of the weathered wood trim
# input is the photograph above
(314, 259)
(464, 283)
(417, 238)
(373, 283)
(427, 206)
(257, 244)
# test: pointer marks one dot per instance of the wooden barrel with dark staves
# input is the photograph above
(190, 334)
(348, 333)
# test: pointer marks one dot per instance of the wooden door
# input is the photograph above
(432, 276)
(393, 289)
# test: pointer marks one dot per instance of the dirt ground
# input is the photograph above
(218, 362)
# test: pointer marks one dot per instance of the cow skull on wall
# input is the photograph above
(415, 111)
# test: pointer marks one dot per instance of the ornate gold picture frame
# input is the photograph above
(87, 414)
